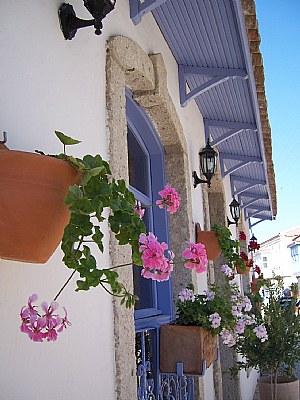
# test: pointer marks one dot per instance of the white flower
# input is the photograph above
(227, 270)
(215, 320)
(240, 326)
(228, 337)
(249, 319)
(261, 333)
(186, 295)
(235, 311)
(209, 295)
(246, 303)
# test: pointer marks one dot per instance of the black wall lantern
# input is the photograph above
(69, 23)
(235, 212)
(208, 165)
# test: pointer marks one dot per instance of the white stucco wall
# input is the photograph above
(248, 383)
(50, 84)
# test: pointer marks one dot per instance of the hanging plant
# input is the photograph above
(87, 200)
(230, 248)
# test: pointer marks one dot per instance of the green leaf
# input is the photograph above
(82, 206)
(74, 193)
(75, 162)
(103, 189)
(123, 237)
(91, 162)
(97, 238)
(82, 285)
(66, 140)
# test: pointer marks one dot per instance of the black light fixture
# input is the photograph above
(208, 165)
(235, 212)
(69, 23)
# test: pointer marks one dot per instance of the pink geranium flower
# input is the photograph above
(138, 209)
(195, 257)
(170, 199)
(39, 327)
(156, 265)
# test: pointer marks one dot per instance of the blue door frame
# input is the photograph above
(146, 178)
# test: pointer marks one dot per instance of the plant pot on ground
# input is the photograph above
(287, 388)
(33, 217)
(276, 345)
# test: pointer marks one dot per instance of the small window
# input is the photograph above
(295, 253)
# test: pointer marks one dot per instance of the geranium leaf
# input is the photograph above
(66, 140)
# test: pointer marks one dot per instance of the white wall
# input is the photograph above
(47, 84)
(50, 84)
(248, 383)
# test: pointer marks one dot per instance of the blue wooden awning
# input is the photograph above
(210, 42)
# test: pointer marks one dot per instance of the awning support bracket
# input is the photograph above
(216, 75)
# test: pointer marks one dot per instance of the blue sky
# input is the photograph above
(279, 27)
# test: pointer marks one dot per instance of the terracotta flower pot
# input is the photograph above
(287, 389)
(210, 241)
(33, 214)
(189, 345)
(243, 271)
(256, 284)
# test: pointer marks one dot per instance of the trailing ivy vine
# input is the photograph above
(87, 201)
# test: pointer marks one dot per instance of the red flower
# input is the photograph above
(244, 256)
(253, 245)
(257, 270)
(242, 235)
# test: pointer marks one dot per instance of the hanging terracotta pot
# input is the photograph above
(33, 214)
(193, 346)
(256, 284)
(243, 271)
(210, 241)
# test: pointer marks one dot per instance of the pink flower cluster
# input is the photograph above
(170, 199)
(155, 265)
(39, 327)
(195, 256)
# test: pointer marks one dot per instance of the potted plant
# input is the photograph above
(257, 282)
(33, 189)
(280, 351)
(192, 338)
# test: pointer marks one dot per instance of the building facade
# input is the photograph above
(279, 256)
(161, 79)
